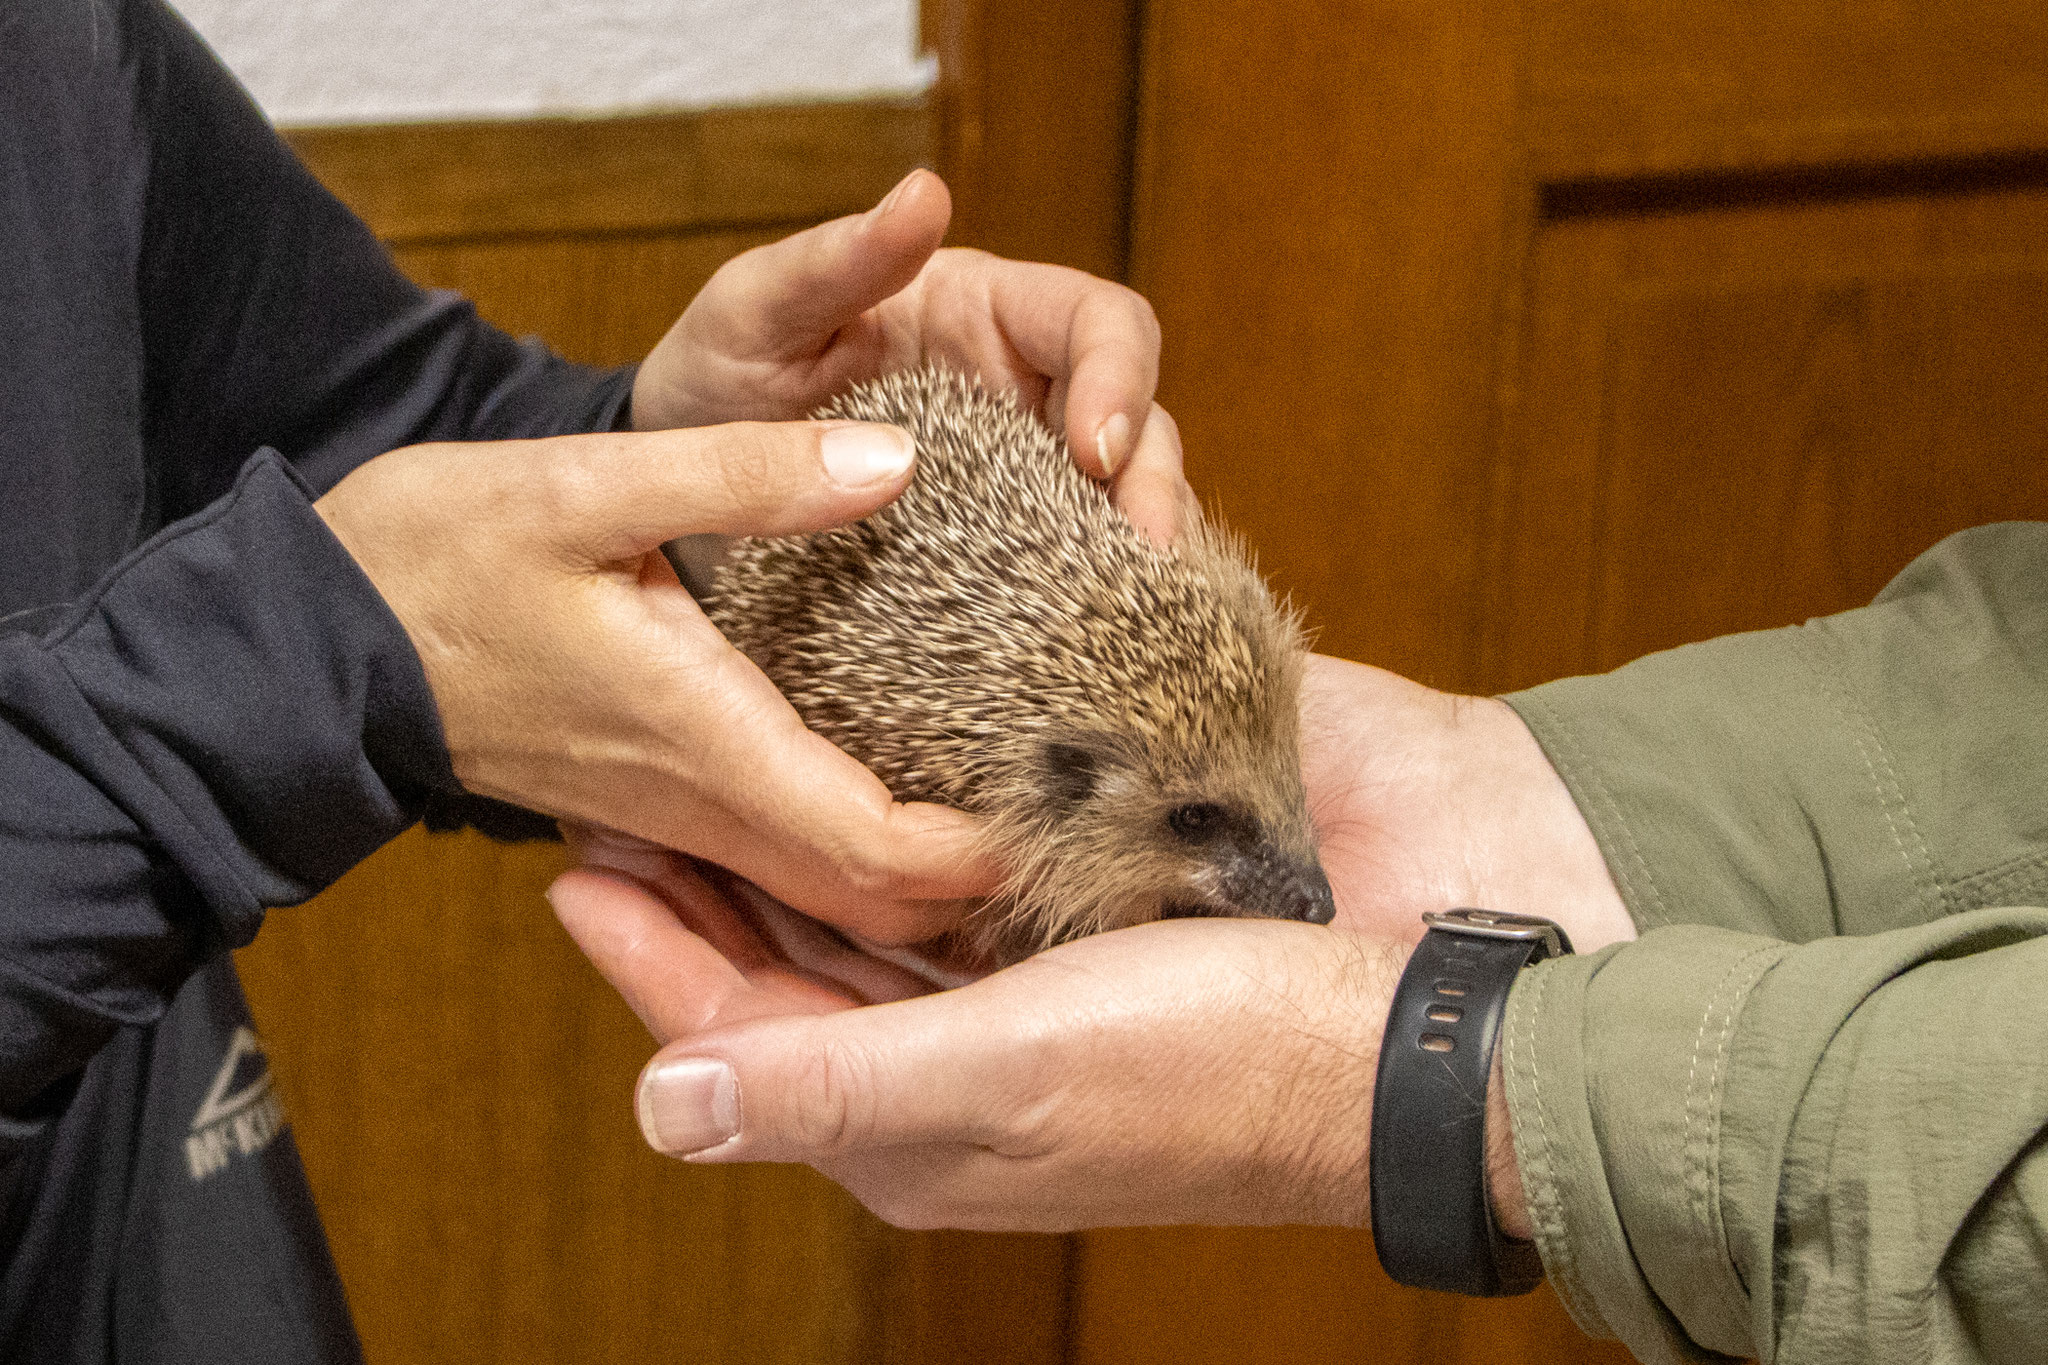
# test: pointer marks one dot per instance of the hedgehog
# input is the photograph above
(1123, 719)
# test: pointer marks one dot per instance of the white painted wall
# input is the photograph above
(396, 61)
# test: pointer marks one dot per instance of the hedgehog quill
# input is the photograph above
(1001, 640)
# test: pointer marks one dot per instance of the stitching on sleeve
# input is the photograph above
(1995, 885)
(1878, 766)
(1539, 1180)
(1703, 1103)
(1638, 883)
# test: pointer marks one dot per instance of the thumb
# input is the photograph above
(824, 1087)
(790, 296)
(618, 495)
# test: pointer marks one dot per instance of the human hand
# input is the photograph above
(783, 328)
(1188, 1071)
(1130, 1068)
(575, 676)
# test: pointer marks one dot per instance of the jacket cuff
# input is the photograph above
(1737, 783)
(1733, 1145)
(1616, 1065)
(256, 705)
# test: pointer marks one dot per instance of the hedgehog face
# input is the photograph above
(1122, 718)
(1125, 834)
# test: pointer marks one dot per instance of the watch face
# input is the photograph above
(1504, 925)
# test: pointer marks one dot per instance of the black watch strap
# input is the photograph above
(1432, 1222)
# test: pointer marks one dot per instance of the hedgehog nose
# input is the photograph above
(1314, 903)
(1269, 884)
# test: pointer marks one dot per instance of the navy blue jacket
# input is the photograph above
(205, 709)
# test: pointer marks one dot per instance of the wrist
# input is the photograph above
(1531, 851)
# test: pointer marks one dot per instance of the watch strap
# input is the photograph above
(1432, 1218)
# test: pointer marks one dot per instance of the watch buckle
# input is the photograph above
(1501, 924)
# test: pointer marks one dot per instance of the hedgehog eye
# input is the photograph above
(1197, 823)
(1071, 773)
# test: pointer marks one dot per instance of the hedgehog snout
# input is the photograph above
(1266, 883)
(1256, 882)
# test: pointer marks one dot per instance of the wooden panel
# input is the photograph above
(1325, 260)
(458, 1078)
(1622, 87)
(1744, 417)
(1280, 1296)
(665, 173)
(1038, 100)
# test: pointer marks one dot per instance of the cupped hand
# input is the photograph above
(1188, 1071)
(575, 676)
(1211, 1071)
(783, 328)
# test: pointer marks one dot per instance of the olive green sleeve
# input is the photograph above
(1803, 1116)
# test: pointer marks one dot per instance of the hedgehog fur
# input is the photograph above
(1000, 639)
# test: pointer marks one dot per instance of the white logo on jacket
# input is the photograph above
(234, 1120)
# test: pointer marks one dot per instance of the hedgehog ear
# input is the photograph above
(1070, 773)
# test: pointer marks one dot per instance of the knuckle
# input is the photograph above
(886, 918)
(1135, 308)
(839, 1115)
(1141, 307)
(863, 874)
(568, 481)
(748, 461)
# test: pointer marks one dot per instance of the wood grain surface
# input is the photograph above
(1742, 417)
(1037, 103)
(666, 173)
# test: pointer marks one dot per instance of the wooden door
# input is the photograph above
(1523, 339)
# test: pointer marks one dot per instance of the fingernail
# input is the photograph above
(881, 210)
(860, 453)
(689, 1106)
(1112, 442)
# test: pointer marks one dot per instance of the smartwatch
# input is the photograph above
(1432, 1220)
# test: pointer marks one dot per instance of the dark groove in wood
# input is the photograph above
(1695, 192)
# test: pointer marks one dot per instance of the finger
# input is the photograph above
(676, 981)
(1151, 488)
(615, 496)
(816, 830)
(614, 851)
(785, 300)
(817, 1089)
(784, 808)
(763, 939)
(810, 946)
(1100, 338)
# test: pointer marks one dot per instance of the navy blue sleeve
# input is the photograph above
(231, 717)
(227, 723)
(272, 317)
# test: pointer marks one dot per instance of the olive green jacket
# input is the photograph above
(1805, 1116)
